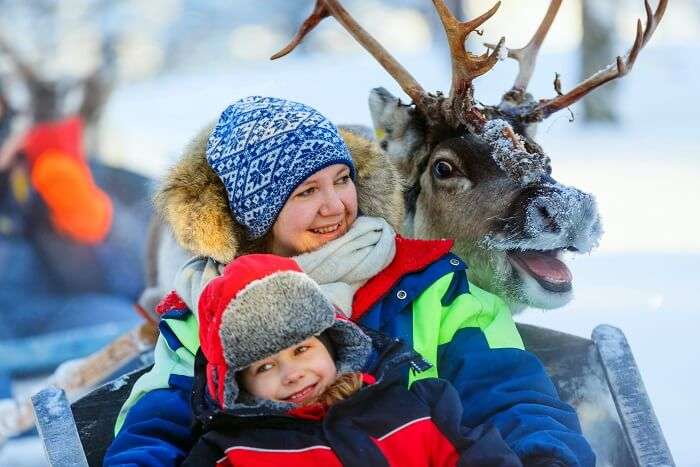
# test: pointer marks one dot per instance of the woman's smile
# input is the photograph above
(326, 230)
(330, 232)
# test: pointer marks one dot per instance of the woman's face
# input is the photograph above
(321, 209)
(297, 374)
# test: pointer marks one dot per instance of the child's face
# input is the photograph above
(321, 209)
(297, 374)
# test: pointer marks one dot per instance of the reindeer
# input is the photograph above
(475, 172)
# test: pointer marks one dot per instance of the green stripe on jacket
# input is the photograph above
(435, 324)
(166, 362)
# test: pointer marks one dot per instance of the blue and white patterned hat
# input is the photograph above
(262, 148)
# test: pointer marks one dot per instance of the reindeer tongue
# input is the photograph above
(550, 273)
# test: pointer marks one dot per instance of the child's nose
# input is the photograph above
(293, 375)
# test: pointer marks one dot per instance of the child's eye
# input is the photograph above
(343, 180)
(263, 368)
(301, 349)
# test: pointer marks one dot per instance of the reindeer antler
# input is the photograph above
(466, 66)
(23, 68)
(615, 70)
(325, 8)
(527, 56)
(455, 110)
(43, 94)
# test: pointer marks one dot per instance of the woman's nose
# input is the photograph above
(332, 204)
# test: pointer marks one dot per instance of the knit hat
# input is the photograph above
(261, 305)
(262, 148)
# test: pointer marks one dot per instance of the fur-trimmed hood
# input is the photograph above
(193, 202)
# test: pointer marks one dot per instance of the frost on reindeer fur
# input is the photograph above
(512, 158)
(574, 213)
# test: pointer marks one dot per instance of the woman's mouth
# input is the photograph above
(327, 229)
(300, 396)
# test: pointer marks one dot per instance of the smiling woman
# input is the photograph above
(321, 209)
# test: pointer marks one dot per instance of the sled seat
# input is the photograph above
(596, 376)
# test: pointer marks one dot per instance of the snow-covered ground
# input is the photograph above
(644, 173)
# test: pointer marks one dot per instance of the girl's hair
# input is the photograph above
(345, 386)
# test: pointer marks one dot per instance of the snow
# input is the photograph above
(118, 383)
(511, 156)
(643, 278)
(54, 403)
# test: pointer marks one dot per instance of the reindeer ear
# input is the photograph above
(395, 125)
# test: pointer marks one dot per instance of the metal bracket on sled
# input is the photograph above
(639, 421)
(56, 426)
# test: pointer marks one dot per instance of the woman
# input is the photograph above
(275, 176)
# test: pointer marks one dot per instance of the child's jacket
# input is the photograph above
(384, 424)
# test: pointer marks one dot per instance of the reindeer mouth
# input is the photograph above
(545, 267)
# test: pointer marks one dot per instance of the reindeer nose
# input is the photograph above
(556, 215)
(547, 219)
(563, 211)
(543, 212)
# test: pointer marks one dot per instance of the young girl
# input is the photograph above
(279, 381)
(275, 176)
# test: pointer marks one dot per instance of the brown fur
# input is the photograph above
(193, 202)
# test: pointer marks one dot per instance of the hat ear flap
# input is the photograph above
(193, 201)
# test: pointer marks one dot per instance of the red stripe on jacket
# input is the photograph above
(411, 256)
(241, 456)
(414, 444)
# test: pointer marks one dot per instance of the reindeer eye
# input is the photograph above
(443, 169)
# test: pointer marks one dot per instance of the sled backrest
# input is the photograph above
(575, 368)
(96, 413)
(574, 363)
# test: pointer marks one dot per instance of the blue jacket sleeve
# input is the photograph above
(156, 432)
(509, 388)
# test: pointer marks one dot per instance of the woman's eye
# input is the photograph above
(263, 368)
(443, 169)
(301, 349)
(307, 192)
(343, 180)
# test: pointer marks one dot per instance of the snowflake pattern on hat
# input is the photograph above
(262, 148)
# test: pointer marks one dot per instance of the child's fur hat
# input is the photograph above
(261, 305)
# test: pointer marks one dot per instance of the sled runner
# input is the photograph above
(598, 376)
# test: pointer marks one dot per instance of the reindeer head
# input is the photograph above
(53, 99)
(475, 172)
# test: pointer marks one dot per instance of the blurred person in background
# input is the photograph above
(70, 251)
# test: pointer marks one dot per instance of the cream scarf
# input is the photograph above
(343, 265)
